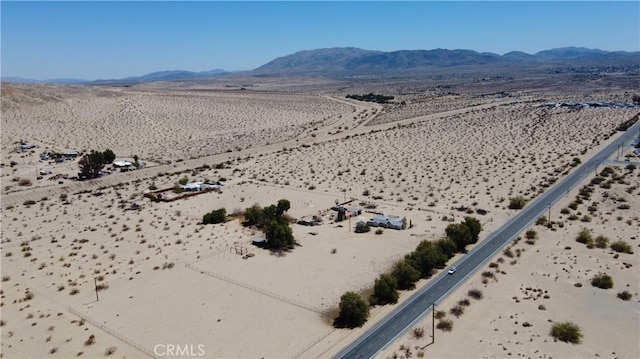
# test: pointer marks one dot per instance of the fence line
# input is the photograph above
(96, 324)
(258, 290)
(313, 343)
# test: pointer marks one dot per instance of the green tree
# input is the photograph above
(282, 207)
(567, 332)
(91, 164)
(385, 290)
(214, 217)
(253, 216)
(426, 257)
(474, 226)
(273, 223)
(354, 311)
(269, 213)
(108, 156)
(447, 246)
(405, 274)
(459, 233)
(278, 234)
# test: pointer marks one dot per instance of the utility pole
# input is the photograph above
(95, 283)
(549, 217)
(433, 323)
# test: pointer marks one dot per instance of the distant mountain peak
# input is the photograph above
(350, 61)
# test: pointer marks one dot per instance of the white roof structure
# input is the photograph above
(122, 163)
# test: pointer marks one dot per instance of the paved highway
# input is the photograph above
(409, 312)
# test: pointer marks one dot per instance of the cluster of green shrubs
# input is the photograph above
(585, 237)
(215, 217)
(602, 281)
(517, 202)
(421, 263)
(274, 224)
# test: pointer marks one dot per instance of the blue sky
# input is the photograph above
(107, 40)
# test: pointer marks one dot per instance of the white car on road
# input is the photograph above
(452, 270)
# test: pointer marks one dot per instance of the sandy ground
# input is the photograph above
(166, 279)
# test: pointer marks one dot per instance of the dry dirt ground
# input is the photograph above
(166, 279)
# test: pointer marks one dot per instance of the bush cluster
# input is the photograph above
(215, 217)
(622, 247)
(602, 281)
(567, 332)
(274, 224)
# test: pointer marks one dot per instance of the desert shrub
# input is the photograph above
(445, 325)
(457, 311)
(109, 351)
(440, 314)
(90, 341)
(531, 234)
(584, 236)
(602, 281)
(625, 295)
(541, 221)
(601, 241)
(508, 252)
(475, 293)
(464, 302)
(418, 332)
(488, 274)
(622, 247)
(29, 202)
(24, 182)
(517, 202)
(379, 231)
(566, 332)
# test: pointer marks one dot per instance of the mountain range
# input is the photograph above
(349, 62)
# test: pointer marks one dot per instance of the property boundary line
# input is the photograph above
(256, 289)
(96, 324)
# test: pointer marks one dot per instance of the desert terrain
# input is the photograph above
(435, 155)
